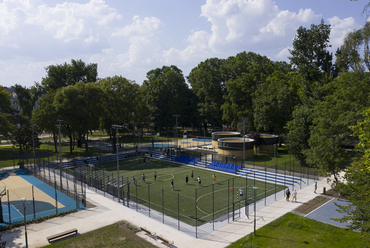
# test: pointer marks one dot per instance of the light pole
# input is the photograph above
(116, 127)
(24, 214)
(176, 129)
(60, 152)
(255, 209)
(33, 146)
(243, 118)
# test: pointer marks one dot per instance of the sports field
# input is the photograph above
(191, 203)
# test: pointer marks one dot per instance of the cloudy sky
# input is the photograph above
(129, 38)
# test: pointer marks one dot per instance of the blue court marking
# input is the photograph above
(328, 211)
(41, 208)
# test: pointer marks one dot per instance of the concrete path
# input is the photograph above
(108, 212)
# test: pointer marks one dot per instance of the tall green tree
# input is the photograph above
(5, 125)
(208, 84)
(346, 97)
(310, 51)
(63, 75)
(46, 116)
(166, 95)
(22, 133)
(273, 103)
(80, 108)
(120, 100)
(27, 98)
(356, 187)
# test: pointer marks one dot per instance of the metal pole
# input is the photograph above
(116, 127)
(33, 145)
(60, 153)
(176, 130)
(255, 209)
(24, 214)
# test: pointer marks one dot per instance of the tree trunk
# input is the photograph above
(70, 144)
(55, 143)
(114, 141)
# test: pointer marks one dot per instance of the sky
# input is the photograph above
(129, 38)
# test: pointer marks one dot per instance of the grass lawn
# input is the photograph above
(120, 234)
(210, 197)
(297, 231)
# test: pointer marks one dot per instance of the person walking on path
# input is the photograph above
(287, 194)
(294, 194)
(186, 179)
(315, 187)
(172, 186)
(199, 181)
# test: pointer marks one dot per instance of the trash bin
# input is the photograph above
(324, 190)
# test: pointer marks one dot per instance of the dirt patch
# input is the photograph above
(333, 193)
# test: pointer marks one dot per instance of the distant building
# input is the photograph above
(13, 98)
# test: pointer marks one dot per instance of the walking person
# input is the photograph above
(134, 180)
(294, 195)
(155, 176)
(143, 178)
(287, 194)
(241, 193)
(214, 178)
(191, 175)
(199, 181)
(315, 187)
(172, 186)
(186, 179)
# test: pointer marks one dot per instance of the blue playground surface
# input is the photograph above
(203, 140)
(328, 211)
(41, 208)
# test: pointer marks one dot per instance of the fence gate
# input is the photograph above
(236, 210)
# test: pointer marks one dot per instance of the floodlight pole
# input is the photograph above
(255, 209)
(116, 127)
(243, 118)
(60, 152)
(33, 146)
(24, 214)
(176, 129)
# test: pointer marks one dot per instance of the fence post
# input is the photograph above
(33, 201)
(228, 200)
(265, 185)
(196, 214)
(178, 211)
(149, 198)
(213, 207)
(162, 206)
(10, 219)
(56, 197)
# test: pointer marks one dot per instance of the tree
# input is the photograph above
(80, 108)
(310, 53)
(208, 84)
(356, 187)
(22, 133)
(45, 117)
(120, 100)
(350, 51)
(59, 76)
(27, 99)
(346, 98)
(5, 125)
(298, 135)
(166, 95)
(273, 104)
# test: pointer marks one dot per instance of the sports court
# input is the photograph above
(40, 199)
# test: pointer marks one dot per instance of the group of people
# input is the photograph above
(294, 195)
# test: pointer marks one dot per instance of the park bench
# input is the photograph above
(61, 235)
(147, 231)
(169, 242)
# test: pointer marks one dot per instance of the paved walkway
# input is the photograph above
(108, 212)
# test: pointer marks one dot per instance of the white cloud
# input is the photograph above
(284, 54)
(339, 29)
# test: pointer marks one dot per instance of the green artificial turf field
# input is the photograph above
(192, 203)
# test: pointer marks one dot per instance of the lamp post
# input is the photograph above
(116, 127)
(33, 146)
(176, 129)
(243, 118)
(24, 214)
(255, 209)
(60, 152)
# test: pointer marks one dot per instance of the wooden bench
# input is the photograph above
(169, 242)
(147, 231)
(61, 235)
